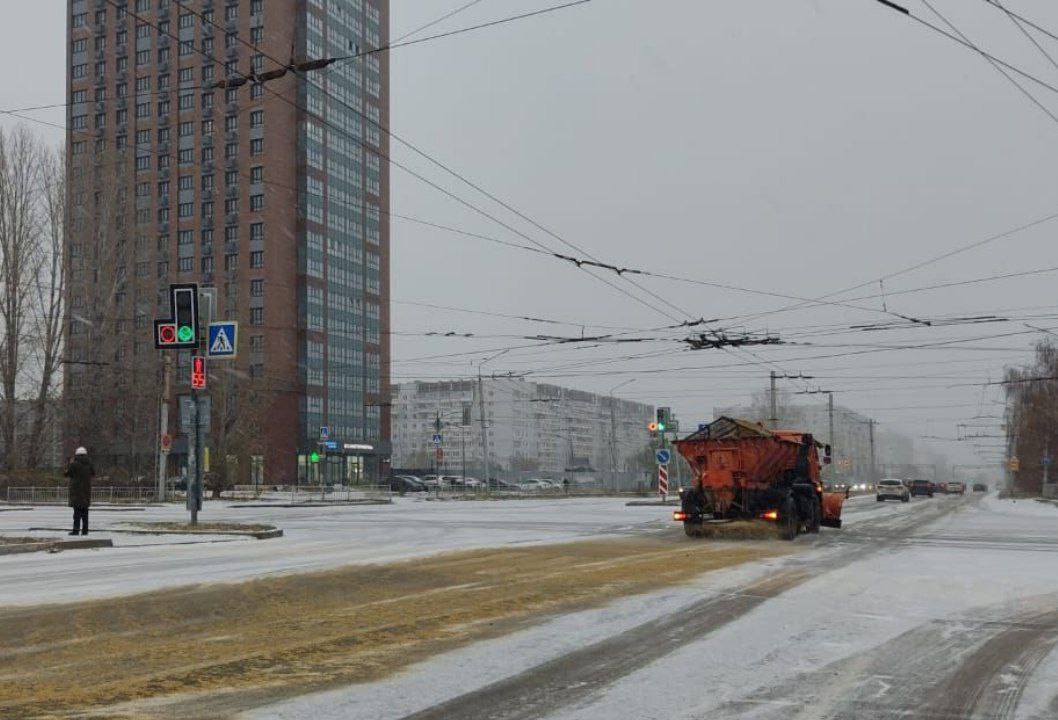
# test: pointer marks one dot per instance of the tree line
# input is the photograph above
(1032, 416)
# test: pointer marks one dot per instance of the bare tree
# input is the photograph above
(20, 162)
(49, 297)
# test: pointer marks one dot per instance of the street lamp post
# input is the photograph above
(613, 436)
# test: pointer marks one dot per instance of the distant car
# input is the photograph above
(892, 489)
(432, 481)
(980, 487)
(407, 484)
(921, 487)
(941, 487)
(955, 488)
(497, 484)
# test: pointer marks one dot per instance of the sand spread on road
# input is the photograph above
(202, 651)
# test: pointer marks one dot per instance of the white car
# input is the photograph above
(891, 489)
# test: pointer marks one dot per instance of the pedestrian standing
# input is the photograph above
(80, 472)
(565, 485)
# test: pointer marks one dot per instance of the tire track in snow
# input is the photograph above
(579, 675)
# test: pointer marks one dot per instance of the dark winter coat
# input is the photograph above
(80, 472)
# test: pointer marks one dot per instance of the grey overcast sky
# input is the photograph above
(793, 146)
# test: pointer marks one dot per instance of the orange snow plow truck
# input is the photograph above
(743, 471)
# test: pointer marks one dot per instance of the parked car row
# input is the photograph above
(413, 484)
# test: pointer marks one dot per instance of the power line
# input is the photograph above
(1031, 98)
(439, 20)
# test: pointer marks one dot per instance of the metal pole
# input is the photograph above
(874, 468)
(774, 408)
(463, 442)
(613, 449)
(195, 491)
(830, 413)
(163, 427)
(484, 433)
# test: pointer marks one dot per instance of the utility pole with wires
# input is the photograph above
(484, 431)
(774, 405)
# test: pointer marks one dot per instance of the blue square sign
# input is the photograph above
(223, 339)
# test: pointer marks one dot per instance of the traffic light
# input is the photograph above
(314, 457)
(181, 331)
(663, 418)
(652, 427)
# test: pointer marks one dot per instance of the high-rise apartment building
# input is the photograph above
(184, 166)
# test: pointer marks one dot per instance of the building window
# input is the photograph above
(257, 146)
(257, 231)
(187, 20)
(257, 316)
(207, 210)
(163, 55)
(187, 101)
(186, 237)
(231, 150)
(185, 129)
(207, 264)
(186, 210)
(186, 264)
(79, 122)
(163, 189)
(80, 45)
(256, 7)
(79, 20)
(231, 233)
(187, 182)
(256, 203)
(79, 71)
(143, 163)
(187, 156)
(231, 261)
(186, 76)
(207, 127)
(80, 96)
(231, 12)
(143, 110)
(257, 259)
(207, 182)
(231, 206)
(257, 343)
(257, 119)
(207, 154)
(257, 174)
(256, 35)
(143, 57)
(207, 238)
(256, 287)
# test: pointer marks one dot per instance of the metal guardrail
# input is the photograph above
(60, 495)
(308, 493)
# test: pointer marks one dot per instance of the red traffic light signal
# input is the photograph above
(198, 373)
(164, 334)
(652, 427)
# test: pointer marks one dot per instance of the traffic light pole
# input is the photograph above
(195, 491)
(163, 427)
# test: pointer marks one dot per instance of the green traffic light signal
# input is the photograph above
(314, 457)
(185, 334)
(661, 427)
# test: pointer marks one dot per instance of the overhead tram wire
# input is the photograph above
(1020, 25)
(1021, 88)
(462, 178)
(366, 147)
(437, 21)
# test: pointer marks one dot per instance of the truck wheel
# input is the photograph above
(788, 520)
(692, 529)
(905, 499)
(815, 516)
(879, 498)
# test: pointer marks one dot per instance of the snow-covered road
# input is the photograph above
(314, 538)
(941, 608)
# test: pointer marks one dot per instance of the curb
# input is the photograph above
(652, 503)
(54, 546)
(256, 534)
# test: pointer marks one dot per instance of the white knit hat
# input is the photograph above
(80, 451)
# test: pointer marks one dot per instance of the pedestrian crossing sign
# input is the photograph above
(223, 340)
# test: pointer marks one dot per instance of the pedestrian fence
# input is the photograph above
(60, 495)
(307, 493)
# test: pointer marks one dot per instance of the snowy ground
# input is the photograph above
(942, 608)
(314, 538)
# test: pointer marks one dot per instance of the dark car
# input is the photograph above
(497, 484)
(921, 487)
(406, 484)
(980, 487)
